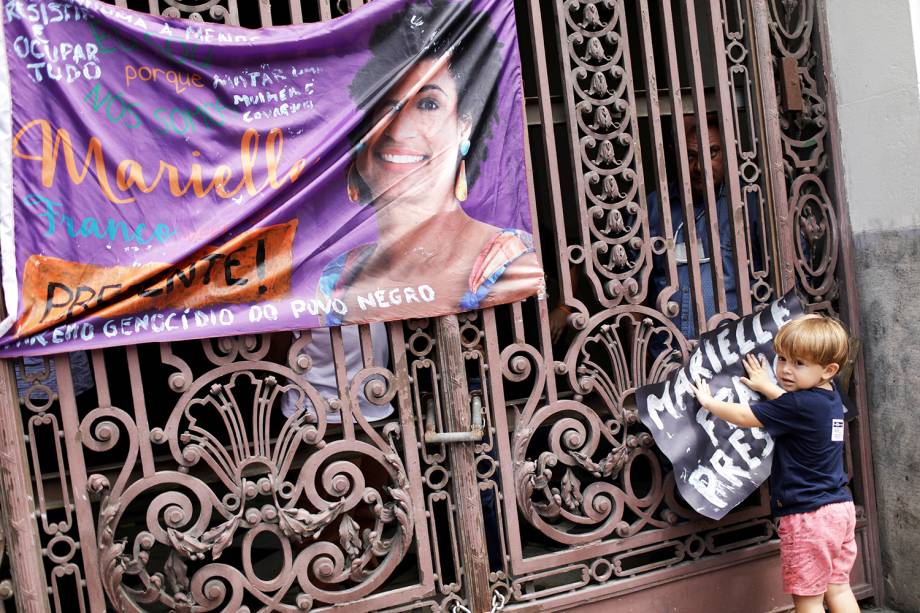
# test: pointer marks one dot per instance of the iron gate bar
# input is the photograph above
(20, 528)
(609, 292)
(296, 12)
(633, 588)
(78, 477)
(398, 353)
(551, 161)
(729, 151)
(265, 13)
(659, 164)
(341, 379)
(688, 12)
(325, 12)
(683, 177)
(760, 14)
(140, 409)
(471, 540)
(736, 28)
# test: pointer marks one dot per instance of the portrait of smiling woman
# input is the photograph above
(416, 159)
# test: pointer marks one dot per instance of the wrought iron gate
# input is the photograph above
(173, 485)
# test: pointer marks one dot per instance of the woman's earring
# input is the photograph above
(354, 190)
(460, 189)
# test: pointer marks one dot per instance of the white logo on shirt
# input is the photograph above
(836, 430)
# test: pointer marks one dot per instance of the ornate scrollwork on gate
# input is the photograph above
(244, 471)
(43, 423)
(614, 253)
(806, 148)
(575, 460)
(749, 145)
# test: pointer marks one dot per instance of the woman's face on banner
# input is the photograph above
(413, 148)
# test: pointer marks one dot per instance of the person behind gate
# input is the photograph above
(684, 318)
(808, 493)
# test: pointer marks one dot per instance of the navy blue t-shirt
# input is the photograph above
(807, 429)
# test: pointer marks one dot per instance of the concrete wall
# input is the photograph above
(875, 51)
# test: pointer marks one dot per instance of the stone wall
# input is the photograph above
(874, 59)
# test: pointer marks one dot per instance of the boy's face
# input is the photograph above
(793, 374)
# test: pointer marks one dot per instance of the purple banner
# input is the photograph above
(173, 179)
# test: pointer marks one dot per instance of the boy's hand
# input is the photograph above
(702, 392)
(732, 412)
(758, 378)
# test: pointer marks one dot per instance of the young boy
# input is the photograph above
(808, 494)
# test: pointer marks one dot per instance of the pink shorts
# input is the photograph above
(817, 548)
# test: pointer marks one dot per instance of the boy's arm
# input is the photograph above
(731, 412)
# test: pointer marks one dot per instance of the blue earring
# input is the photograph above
(465, 147)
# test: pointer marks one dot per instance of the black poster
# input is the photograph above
(716, 464)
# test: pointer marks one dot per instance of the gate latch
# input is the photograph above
(475, 433)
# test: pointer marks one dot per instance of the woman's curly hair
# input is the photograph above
(429, 29)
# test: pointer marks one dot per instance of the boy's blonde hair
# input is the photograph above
(813, 338)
